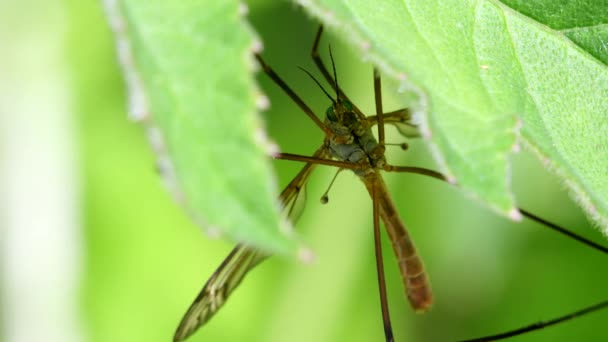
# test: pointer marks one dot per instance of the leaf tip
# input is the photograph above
(269, 147)
(262, 102)
(137, 100)
(516, 148)
(243, 9)
(213, 232)
(515, 215)
(257, 46)
(451, 179)
(306, 255)
(402, 77)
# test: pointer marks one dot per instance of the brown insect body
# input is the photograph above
(353, 141)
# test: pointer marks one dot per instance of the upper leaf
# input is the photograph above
(488, 73)
(189, 69)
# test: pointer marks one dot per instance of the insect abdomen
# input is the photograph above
(415, 280)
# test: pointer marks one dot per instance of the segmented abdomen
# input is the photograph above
(415, 281)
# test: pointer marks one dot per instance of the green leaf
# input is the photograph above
(492, 75)
(188, 65)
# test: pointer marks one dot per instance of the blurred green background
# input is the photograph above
(144, 261)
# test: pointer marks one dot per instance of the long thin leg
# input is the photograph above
(437, 175)
(386, 319)
(540, 325)
(328, 77)
(388, 330)
(379, 112)
(275, 77)
(320, 161)
(319, 62)
(547, 224)
(563, 231)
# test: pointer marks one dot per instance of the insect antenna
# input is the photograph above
(319, 84)
(333, 66)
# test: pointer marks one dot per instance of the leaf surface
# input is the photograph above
(492, 74)
(189, 66)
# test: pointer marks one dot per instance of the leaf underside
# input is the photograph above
(491, 75)
(192, 61)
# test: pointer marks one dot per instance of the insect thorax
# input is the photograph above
(353, 141)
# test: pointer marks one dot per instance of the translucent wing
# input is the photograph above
(217, 289)
(402, 120)
(239, 262)
(407, 129)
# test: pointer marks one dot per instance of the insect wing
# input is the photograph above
(407, 129)
(217, 289)
(402, 120)
(293, 197)
(295, 207)
(239, 262)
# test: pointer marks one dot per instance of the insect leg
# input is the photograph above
(386, 319)
(379, 112)
(275, 77)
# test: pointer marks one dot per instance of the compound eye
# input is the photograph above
(330, 114)
(348, 105)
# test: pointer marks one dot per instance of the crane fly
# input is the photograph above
(350, 144)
